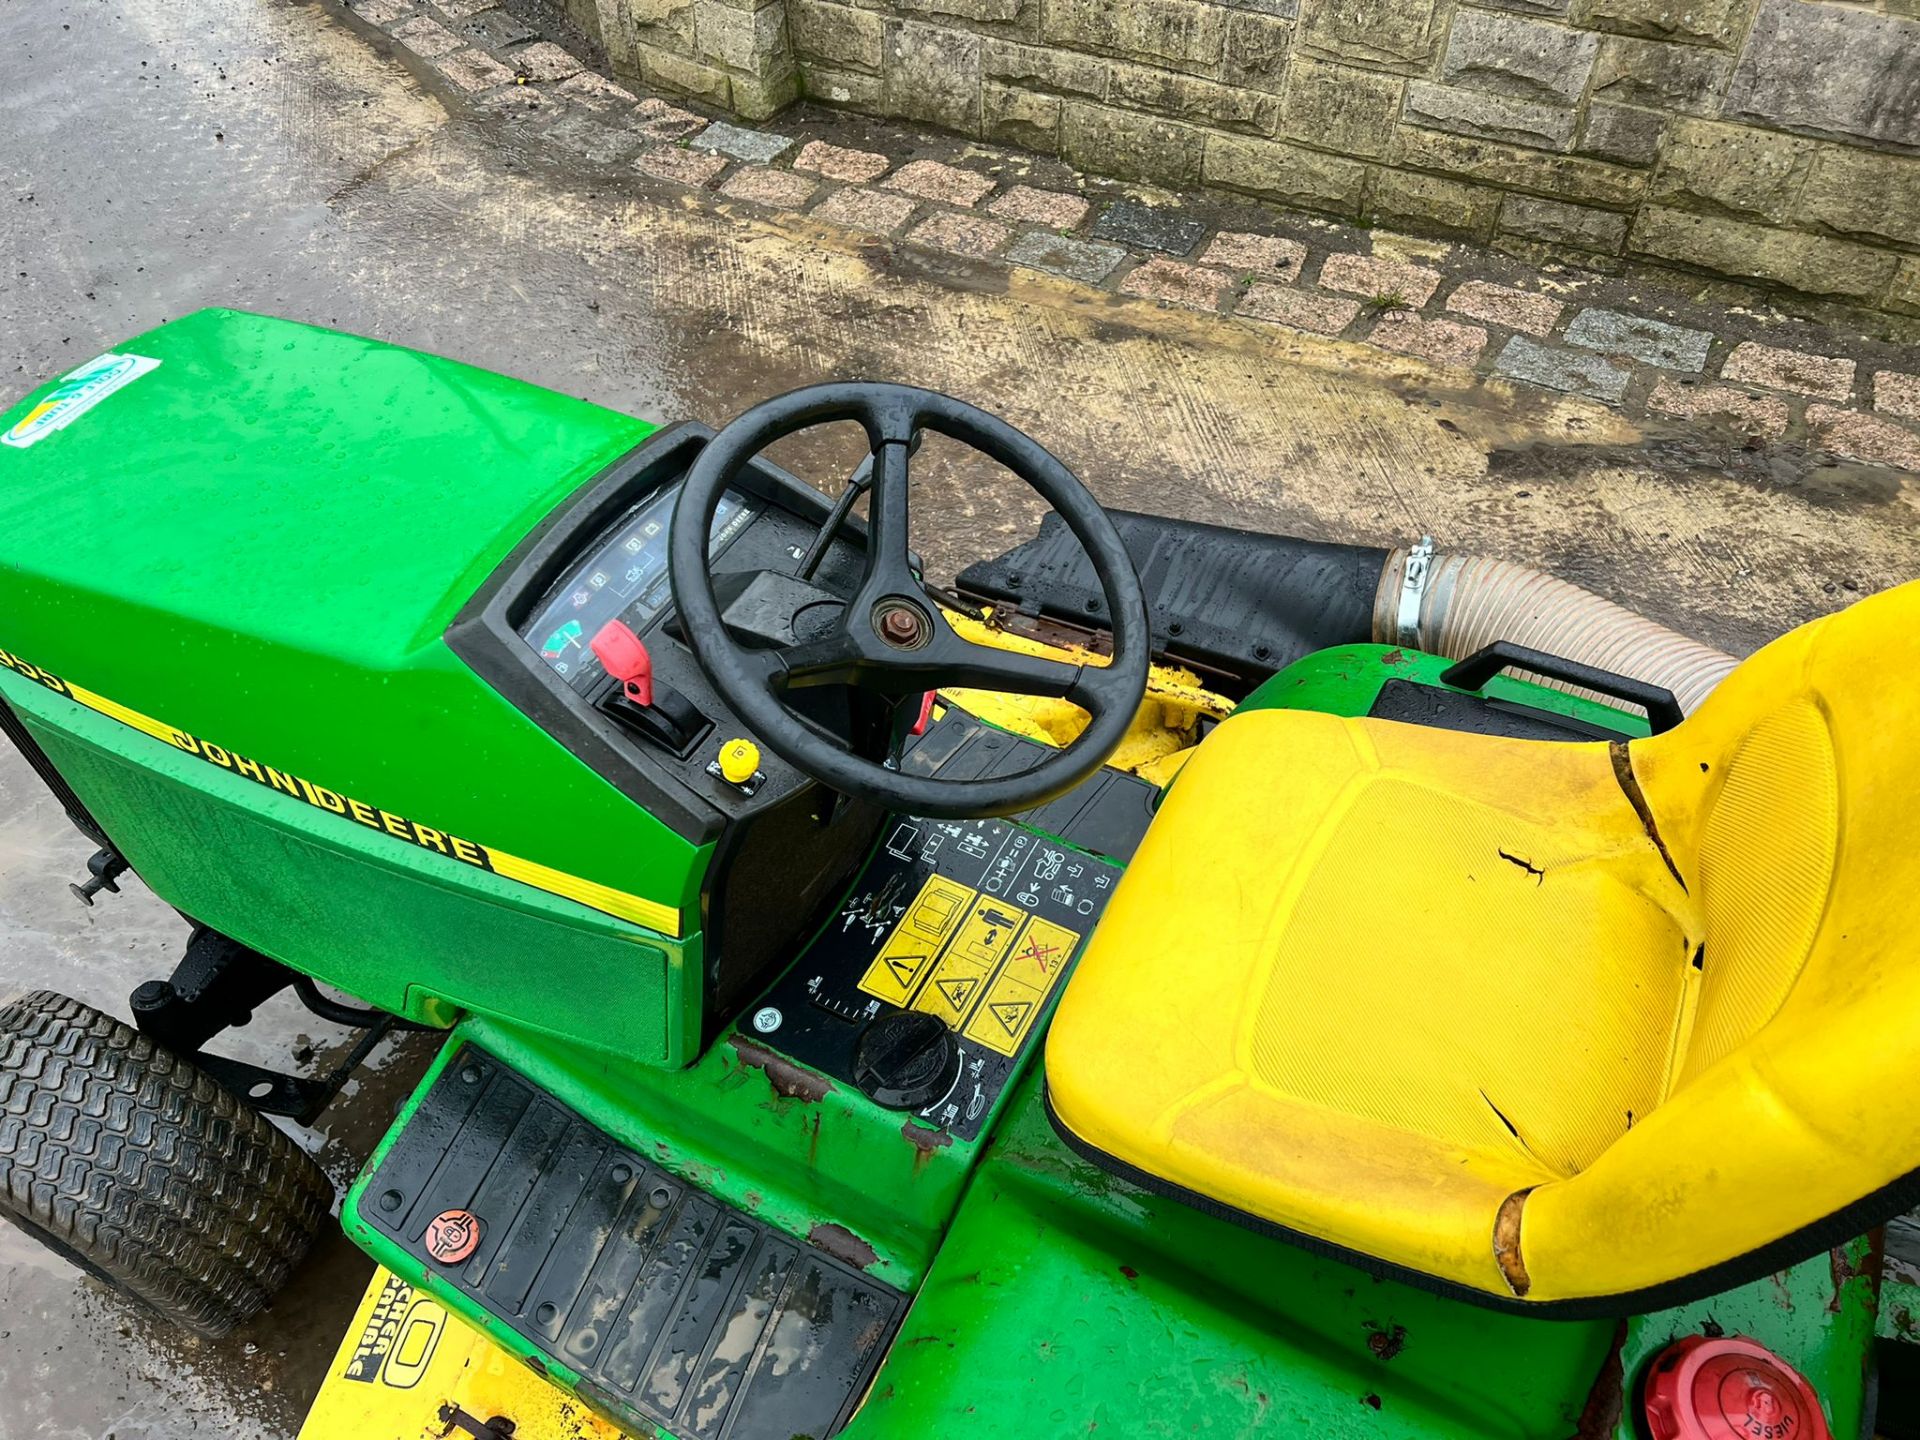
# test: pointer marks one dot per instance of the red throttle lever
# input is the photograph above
(626, 658)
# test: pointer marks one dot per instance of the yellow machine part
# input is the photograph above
(406, 1367)
(1551, 1021)
(1164, 731)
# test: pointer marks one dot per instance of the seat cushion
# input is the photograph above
(1366, 981)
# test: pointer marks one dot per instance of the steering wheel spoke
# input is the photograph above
(832, 660)
(889, 563)
(1011, 672)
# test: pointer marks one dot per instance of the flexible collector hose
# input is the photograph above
(1453, 605)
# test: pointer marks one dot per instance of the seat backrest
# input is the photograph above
(1819, 730)
(1784, 805)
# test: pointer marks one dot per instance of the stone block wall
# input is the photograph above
(731, 53)
(1770, 140)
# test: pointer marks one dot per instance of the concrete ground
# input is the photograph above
(160, 155)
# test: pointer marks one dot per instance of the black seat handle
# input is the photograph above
(1472, 673)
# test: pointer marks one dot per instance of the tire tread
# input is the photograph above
(141, 1167)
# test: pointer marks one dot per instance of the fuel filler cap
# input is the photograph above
(1703, 1388)
(906, 1060)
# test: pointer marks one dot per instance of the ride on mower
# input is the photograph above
(1170, 981)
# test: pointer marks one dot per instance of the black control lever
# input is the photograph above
(672, 721)
(857, 484)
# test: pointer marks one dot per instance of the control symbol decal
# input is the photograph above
(452, 1236)
(957, 991)
(1012, 1014)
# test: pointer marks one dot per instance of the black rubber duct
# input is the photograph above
(1235, 606)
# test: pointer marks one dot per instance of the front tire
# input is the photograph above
(133, 1164)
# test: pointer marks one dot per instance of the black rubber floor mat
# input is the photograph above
(675, 1308)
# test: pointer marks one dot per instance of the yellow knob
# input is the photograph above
(739, 761)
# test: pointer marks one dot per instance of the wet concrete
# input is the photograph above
(160, 155)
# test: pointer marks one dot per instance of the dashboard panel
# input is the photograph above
(782, 835)
(602, 554)
(624, 577)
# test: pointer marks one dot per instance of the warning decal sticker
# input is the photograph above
(902, 963)
(978, 922)
(987, 975)
(969, 961)
(1017, 994)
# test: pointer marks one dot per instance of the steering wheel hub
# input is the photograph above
(902, 624)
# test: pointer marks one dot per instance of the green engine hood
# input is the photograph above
(257, 541)
(272, 482)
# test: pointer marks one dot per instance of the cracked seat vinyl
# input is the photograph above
(1546, 1022)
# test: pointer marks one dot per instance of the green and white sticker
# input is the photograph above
(76, 394)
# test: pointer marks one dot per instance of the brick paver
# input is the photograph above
(1764, 415)
(1580, 372)
(781, 189)
(1373, 276)
(1263, 255)
(1614, 332)
(870, 210)
(1297, 309)
(661, 121)
(586, 134)
(945, 184)
(474, 70)
(1084, 260)
(836, 162)
(1756, 364)
(1177, 283)
(594, 91)
(1151, 227)
(543, 60)
(428, 38)
(380, 12)
(513, 100)
(742, 143)
(689, 167)
(1864, 437)
(1897, 394)
(1445, 342)
(1504, 305)
(972, 235)
(1040, 207)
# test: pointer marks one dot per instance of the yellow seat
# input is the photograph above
(1580, 1027)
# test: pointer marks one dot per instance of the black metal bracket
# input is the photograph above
(299, 1098)
(1472, 673)
(453, 1418)
(216, 987)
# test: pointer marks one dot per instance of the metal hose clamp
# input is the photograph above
(1413, 591)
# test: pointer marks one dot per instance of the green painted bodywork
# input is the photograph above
(1066, 1302)
(1346, 680)
(261, 542)
(1053, 1299)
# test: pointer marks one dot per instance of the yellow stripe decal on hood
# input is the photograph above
(648, 913)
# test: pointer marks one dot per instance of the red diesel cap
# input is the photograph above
(1729, 1389)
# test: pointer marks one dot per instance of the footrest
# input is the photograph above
(674, 1308)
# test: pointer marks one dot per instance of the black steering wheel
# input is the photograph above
(891, 638)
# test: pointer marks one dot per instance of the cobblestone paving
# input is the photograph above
(1852, 397)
